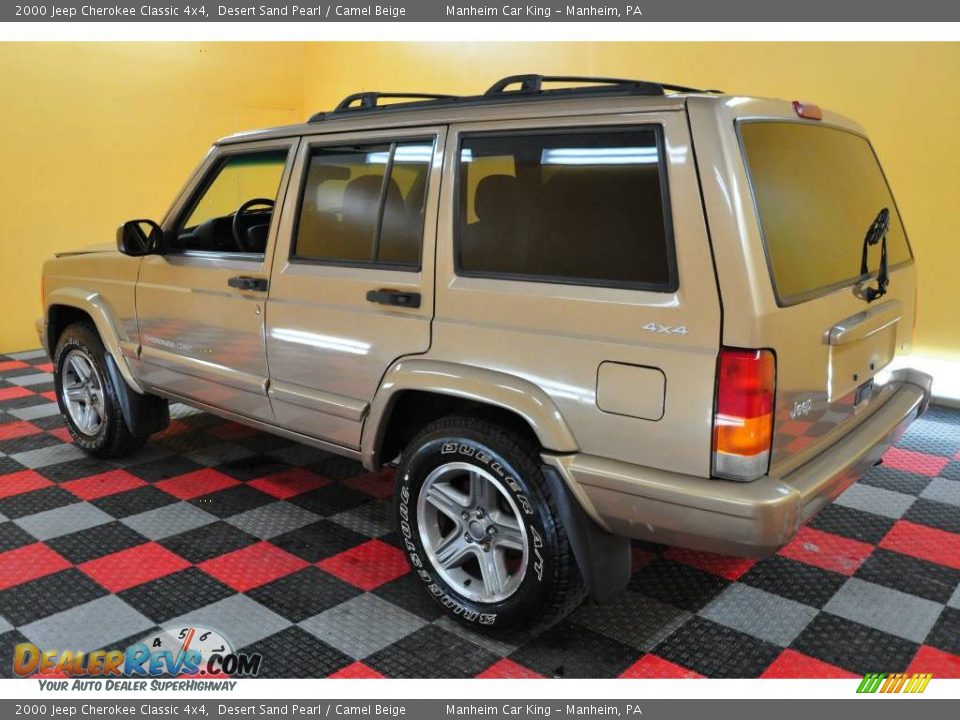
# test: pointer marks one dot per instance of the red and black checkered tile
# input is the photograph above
(289, 551)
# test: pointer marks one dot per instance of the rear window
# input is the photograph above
(817, 190)
(582, 207)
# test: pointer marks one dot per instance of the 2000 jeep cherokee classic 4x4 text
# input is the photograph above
(571, 315)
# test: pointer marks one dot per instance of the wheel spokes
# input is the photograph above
(483, 493)
(454, 550)
(81, 368)
(447, 500)
(508, 536)
(494, 570)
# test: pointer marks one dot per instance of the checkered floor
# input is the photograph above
(289, 551)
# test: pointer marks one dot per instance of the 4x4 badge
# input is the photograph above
(666, 329)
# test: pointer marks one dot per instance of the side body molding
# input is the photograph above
(469, 383)
(96, 307)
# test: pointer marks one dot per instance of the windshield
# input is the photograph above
(817, 190)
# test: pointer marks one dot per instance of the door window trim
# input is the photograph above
(209, 172)
(333, 142)
(673, 283)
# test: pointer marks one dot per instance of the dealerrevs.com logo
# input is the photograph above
(190, 651)
(894, 683)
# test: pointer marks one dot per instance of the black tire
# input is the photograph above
(113, 438)
(551, 585)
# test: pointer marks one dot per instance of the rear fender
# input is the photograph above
(468, 382)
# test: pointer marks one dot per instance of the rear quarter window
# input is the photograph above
(817, 189)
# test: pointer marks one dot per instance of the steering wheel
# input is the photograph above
(239, 221)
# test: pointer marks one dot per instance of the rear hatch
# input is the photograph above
(817, 189)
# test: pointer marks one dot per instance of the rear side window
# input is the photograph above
(364, 204)
(817, 190)
(586, 207)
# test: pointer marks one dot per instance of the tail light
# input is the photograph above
(743, 417)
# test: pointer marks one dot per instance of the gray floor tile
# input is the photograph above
(876, 500)
(885, 609)
(44, 409)
(268, 521)
(168, 520)
(362, 625)
(237, 618)
(83, 627)
(496, 645)
(63, 520)
(31, 379)
(943, 490)
(373, 519)
(49, 455)
(632, 618)
(954, 600)
(4, 625)
(756, 612)
(27, 355)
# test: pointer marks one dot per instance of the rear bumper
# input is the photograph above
(750, 519)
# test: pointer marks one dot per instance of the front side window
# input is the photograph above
(585, 207)
(363, 204)
(233, 211)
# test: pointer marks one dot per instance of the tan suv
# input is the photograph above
(572, 311)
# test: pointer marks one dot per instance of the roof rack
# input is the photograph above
(533, 84)
(530, 87)
(369, 100)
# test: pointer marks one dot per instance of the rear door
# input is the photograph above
(352, 286)
(573, 254)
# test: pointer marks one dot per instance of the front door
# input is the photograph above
(352, 287)
(200, 304)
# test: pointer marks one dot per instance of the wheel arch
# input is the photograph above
(423, 390)
(66, 306)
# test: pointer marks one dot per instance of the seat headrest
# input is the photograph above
(361, 197)
(494, 194)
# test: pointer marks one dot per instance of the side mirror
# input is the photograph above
(139, 237)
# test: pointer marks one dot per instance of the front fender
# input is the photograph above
(470, 383)
(94, 305)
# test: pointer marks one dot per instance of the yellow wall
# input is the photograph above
(96, 133)
(92, 134)
(905, 94)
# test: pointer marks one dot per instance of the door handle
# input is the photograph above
(394, 297)
(245, 282)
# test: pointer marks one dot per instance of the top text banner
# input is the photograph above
(445, 11)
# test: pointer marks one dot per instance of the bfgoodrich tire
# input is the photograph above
(480, 527)
(86, 396)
